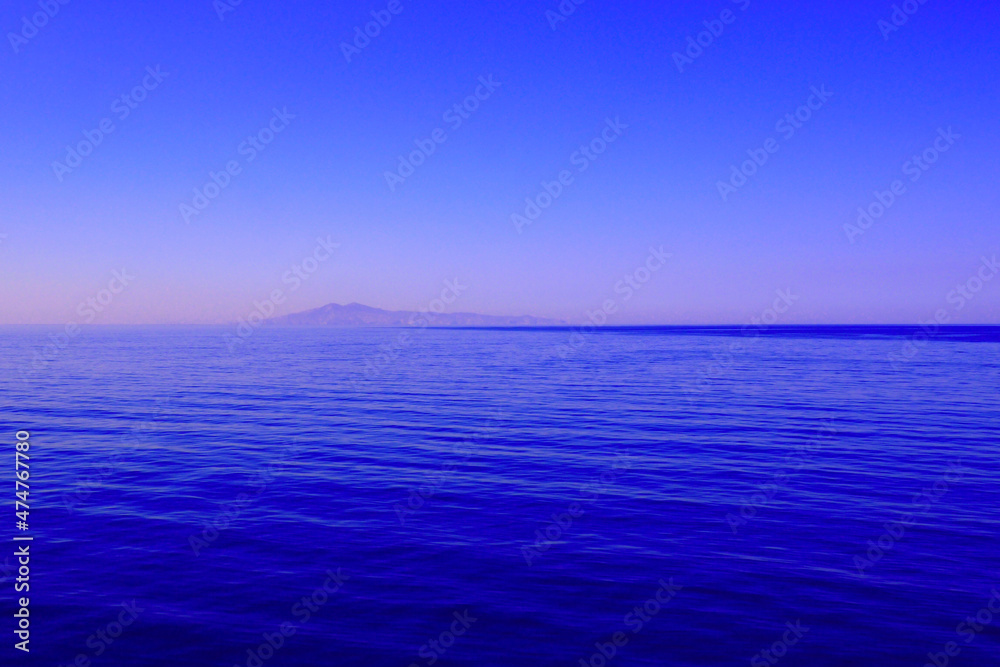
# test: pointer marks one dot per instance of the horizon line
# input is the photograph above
(762, 327)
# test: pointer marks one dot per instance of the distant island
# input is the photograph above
(359, 315)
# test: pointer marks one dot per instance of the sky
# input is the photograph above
(326, 201)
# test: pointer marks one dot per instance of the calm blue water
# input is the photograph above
(748, 474)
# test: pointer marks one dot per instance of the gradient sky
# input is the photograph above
(323, 176)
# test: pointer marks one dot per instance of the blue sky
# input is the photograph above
(344, 124)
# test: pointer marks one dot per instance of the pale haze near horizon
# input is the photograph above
(323, 176)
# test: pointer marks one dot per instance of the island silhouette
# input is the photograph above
(360, 315)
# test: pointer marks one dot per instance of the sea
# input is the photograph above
(649, 496)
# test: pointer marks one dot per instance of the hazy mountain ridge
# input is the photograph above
(360, 315)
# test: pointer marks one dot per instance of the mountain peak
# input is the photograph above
(359, 315)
